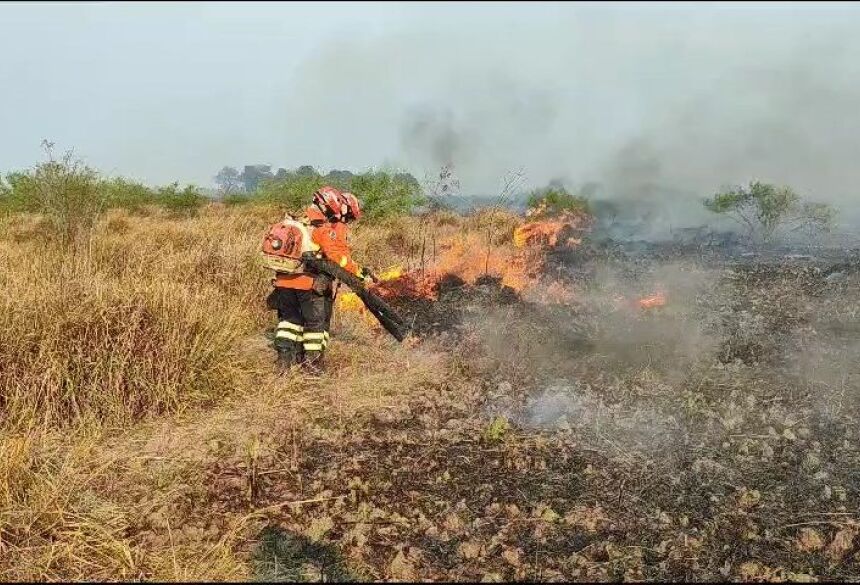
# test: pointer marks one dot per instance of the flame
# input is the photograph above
(563, 229)
(655, 300)
(391, 273)
(658, 299)
(546, 233)
(469, 258)
(349, 301)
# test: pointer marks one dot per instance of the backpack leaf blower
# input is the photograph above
(387, 317)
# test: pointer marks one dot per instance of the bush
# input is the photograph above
(555, 200)
(126, 194)
(382, 193)
(763, 209)
(175, 200)
(293, 192)
(73, 196)
(236, 199)
(63, 190)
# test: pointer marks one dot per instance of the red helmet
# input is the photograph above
(330, 201)
(353, 207)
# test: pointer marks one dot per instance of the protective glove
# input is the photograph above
(367, 276)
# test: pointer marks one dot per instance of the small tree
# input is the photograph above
(228, 181)
(444, 185)
(65, 191)
(763, 209)
(253, 175)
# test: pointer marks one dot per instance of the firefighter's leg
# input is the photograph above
(314, 312)
(289, 332)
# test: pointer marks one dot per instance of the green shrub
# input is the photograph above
(126, 194)
(497, 429)
(63, 190)
(182, 201)
(294, 191)
(554, 200)
(382, 193)
(763, 209)
(236, 198)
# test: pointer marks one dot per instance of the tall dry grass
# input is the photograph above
(149, 318)
(146, 321)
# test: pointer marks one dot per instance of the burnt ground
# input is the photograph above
(713, 438)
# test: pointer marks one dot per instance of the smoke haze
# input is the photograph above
(661, 100)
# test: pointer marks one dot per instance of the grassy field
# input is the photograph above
(521, 435)
(135, 368)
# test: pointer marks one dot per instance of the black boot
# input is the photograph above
(289, 355)
(313, 363)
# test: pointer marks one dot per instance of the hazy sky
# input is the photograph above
(690, 95)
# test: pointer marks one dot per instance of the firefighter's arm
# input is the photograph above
(333, 244)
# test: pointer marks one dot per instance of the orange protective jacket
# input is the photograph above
(331, 237)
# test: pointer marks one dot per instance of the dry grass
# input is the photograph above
(131, 329)
(160, 316)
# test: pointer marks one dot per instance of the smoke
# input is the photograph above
(787, 120)
(607, 332)
(437, 135)
(664, 105)
(433, 134)
(827, 362)
(615, 427)
(657, 103)
(672, 339)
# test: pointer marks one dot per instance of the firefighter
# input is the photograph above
(303, 299)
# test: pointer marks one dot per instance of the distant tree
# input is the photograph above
(253, 175)
(282, 174)
(228, 181)
(180, 201)
(306, 171)
(335, 176)
(763, 209)
(386, 194)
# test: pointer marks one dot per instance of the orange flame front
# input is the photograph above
(655, 300)
(468, 258)
(564, 229)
